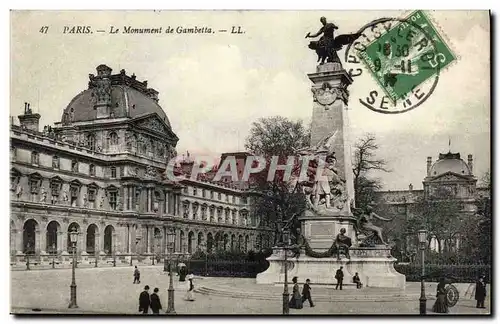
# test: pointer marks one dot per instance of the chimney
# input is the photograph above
(410, 187)
(469, 162)
(102, 91)
(29, 120)
(429, 164)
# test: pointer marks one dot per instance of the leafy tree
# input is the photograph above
(279, 137)
(364, 161)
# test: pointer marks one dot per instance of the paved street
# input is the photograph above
(111, 291)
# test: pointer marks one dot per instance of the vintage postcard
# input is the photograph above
(250, 163)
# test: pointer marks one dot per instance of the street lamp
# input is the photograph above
(73, 236)
(170, 242)
(286, 239)
(422, 240)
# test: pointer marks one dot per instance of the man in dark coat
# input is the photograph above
(155, 302)
(480, 292)
(306, 293)
(340, 277)
(144, 300)
(357, 281)
(137, 275)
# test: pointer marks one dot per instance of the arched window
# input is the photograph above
(29, 236)
(210, 242)
(91, 233)
(200, 240)
(108, 239)
(51, 239)
(91, 141)
(190, 242)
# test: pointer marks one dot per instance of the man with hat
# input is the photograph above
(480, 292)
(155, 302)
(144, 301)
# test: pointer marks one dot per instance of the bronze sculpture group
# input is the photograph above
(327, 46)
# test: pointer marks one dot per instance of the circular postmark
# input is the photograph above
(404, 56)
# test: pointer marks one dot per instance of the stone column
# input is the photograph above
(82, 242)
(43, 239)
(19, 241)
(12, 242)
(101, 241)
(125, 198)
(129, 239)
(165, 203)
(37, 242)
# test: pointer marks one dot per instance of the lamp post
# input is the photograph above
(286, 238)
(422, 242)
(73, 235)
(170, 240)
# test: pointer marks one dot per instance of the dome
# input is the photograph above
(128, 98)
(449, 162)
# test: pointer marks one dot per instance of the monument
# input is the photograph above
(333, 233)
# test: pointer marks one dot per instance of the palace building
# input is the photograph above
(101, 171)
(449, 177)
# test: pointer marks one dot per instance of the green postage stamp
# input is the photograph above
(407, 55)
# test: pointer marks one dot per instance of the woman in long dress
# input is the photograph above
(190, 289)
(296, 300)
(441, 304)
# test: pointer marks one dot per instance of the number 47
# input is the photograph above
(44, 29)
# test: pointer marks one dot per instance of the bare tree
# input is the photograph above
(364, 161)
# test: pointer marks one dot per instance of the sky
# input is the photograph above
(214, 86)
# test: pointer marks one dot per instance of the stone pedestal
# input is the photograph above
(375, 267)
(320, 225)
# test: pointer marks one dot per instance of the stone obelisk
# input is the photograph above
(330, 115)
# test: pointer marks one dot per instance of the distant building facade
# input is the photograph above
(101, 171)
(449, 176)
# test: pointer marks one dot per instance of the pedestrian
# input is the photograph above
(155, 302)
(144, 301)
(137, 275)
(183, 271)
(190, 288)
(480, 292)
(441, 305)
(357, 281)
(340, 277)
(296, 300)
(306, 293)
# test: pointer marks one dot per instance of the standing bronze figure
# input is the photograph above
(327, 46)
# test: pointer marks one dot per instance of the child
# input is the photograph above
(306, 293)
